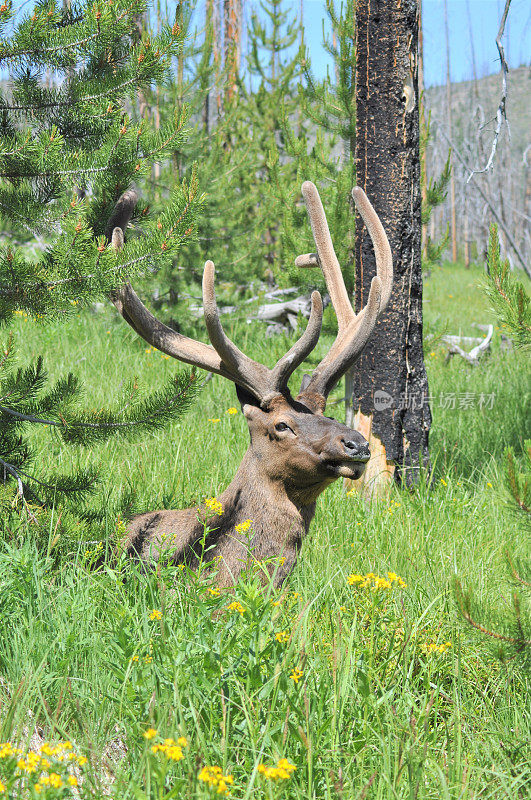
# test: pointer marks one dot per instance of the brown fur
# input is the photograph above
(276, 487)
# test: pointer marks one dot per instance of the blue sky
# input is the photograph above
(485, 18)
(473, 26)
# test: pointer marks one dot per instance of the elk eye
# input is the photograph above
(281, 426)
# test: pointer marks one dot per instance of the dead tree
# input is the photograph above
(390, 383)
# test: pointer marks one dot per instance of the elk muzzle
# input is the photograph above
(347, 454)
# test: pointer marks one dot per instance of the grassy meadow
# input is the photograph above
(342, 686)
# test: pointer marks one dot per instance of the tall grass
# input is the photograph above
(374, 693)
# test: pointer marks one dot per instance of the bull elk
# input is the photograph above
(295, 450)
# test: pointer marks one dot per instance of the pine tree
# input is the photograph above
(507, 626)
(68, 149)
(320, 141)
(274, 75)
(509, 298)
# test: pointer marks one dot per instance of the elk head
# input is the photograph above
(295, 450)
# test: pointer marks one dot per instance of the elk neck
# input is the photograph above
(277, 510)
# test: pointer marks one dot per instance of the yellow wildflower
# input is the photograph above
(6, 750)
(150, 733)
(53, 779)
(282, 771)
(174, 753)
(213, 505)
(443, 482)
(148, 659)
(2, 787)
(380, 583)
(432, 647)
(214, 592)
(375, 582)
(282, 637)
(214, 420)
(394, 578)
(172, 749)
(235, 606)
(72, 780)
(243, 527)
(489, 485)
(296, 675)
(213, 776)
(30, 763)
(155, 614)
(231, 411)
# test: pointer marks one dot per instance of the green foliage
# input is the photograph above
(435, 195)
(27, 400)
(519, 482)
(509, 298)
(68, 148)
(323, 151)
(507, 626)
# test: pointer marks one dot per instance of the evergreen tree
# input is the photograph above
(509, 298)
(68, 148)
(507, 627)
(270, 99)
(219, 139)
(322, 151)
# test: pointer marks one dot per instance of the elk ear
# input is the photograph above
(305, 381)
(246, 398)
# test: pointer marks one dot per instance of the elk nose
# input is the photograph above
(359, 451)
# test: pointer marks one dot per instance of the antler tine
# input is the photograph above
(122, 212)
(137, 315)
(246, 372)
(287, 365)
(165, 339)
(380, 242)
(326, 257)
(353, 333)
(345, 351)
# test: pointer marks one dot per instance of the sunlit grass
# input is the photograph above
(365, 689)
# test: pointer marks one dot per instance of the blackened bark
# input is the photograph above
(388, 169)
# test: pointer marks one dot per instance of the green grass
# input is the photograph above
(376, 712)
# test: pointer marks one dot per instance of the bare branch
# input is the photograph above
(501, 113)
(495, 214)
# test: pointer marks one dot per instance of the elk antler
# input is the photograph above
(224, 358)
(353, 329)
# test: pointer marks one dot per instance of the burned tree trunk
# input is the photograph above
(390, 386)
